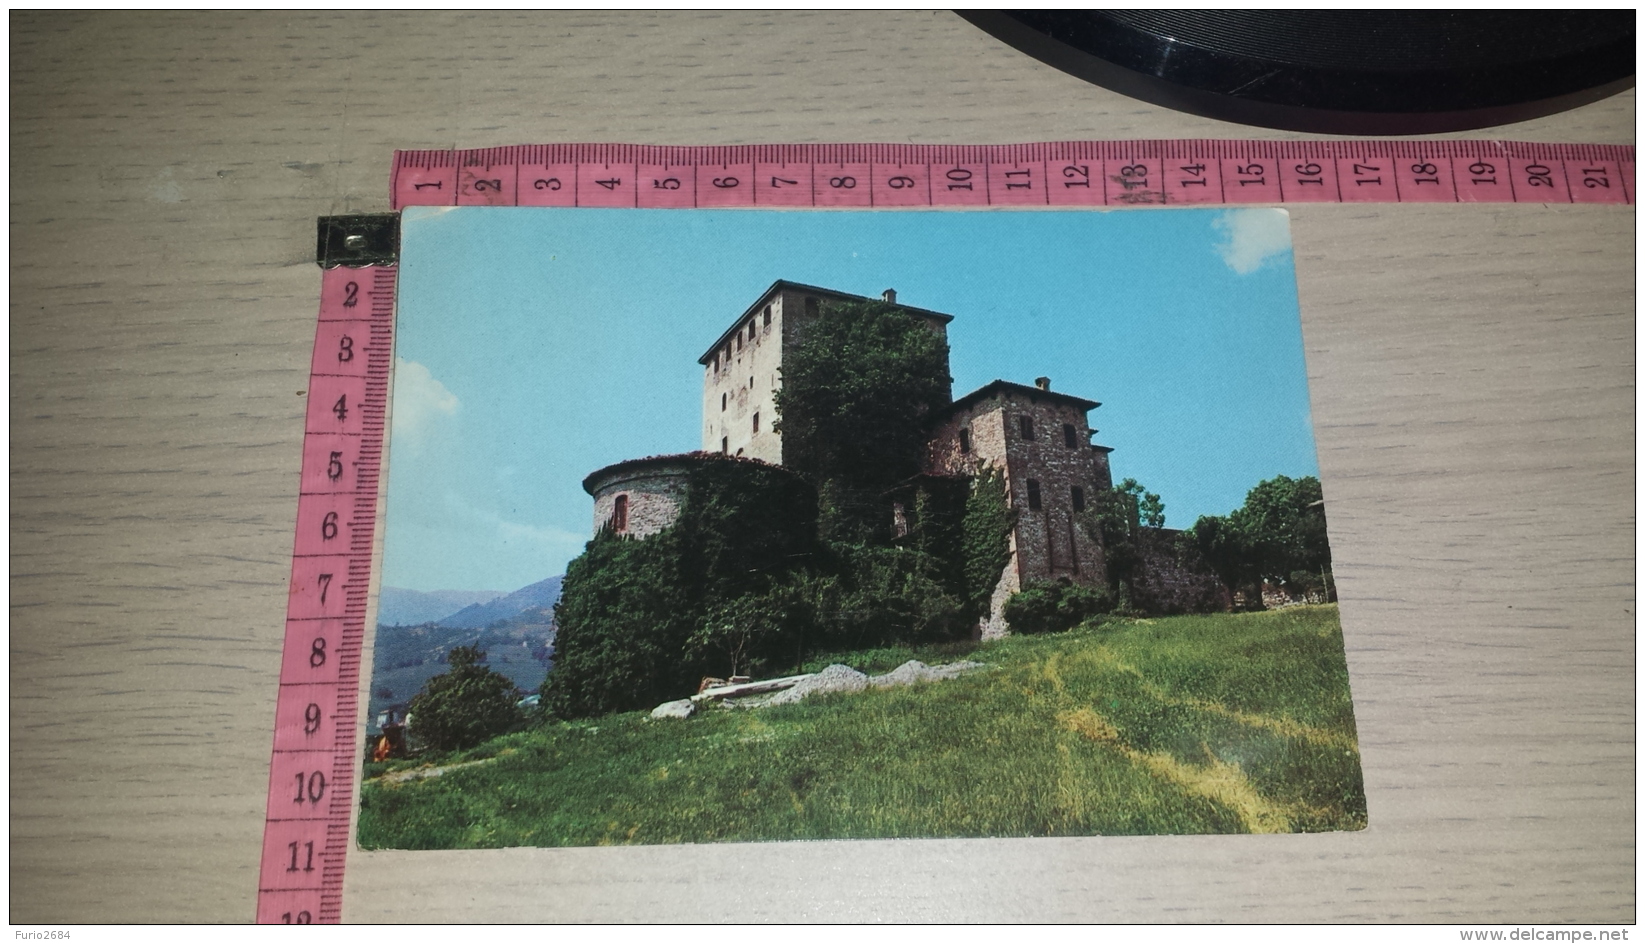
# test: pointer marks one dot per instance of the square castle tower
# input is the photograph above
(1038, 439)
(743, 369)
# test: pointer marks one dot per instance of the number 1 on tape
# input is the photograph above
(311, 777)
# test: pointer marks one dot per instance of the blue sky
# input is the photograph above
(537, 345)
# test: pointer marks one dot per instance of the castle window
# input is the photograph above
(767, 316)
(756, 422)
(751, 383)
(1026, 424)
(619, 514)
(965, 440)
(751, 330)
(1079, 498)
(722, 403)
(725, 445)
(811, 307)
(1068, 435)
(1033, 495)
(739, 340)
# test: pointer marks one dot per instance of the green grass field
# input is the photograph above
(1193, 724)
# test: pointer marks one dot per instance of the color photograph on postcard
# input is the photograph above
(741, 525)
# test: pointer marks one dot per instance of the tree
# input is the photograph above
(1285, 519)
(1141, 508)
(739, 629)
(856, 390)
(1228, 549)
(1115, 521)
(465, 706)
(1277, 535)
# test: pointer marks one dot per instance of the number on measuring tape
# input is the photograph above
(311, 773)
(1134, 172)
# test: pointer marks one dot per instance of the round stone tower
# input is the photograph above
(640, 497)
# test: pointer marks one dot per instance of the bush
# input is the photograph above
(883, 596)
(1054, 607)
(622, 618)
(986, 538)
(629, 609)
(465, 706)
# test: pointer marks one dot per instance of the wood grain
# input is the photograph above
(1472, 372)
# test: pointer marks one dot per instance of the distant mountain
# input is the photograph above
(404, 658)
(397, 606)
(541, 595)
(516, 630)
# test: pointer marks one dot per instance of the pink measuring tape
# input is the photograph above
(316, 735)
(1069, 174)
(311, 780)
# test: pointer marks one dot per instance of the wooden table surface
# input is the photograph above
(1472, 374)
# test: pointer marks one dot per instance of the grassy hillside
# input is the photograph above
(1192, 724)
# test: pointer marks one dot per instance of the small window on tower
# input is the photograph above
(722, 403)
(739, 340)
(1079, 498)
(965, 440)
(1068, 435)
(619, 514)
(811, 307)
(751, 330)
(1033, 495)
(767, 322)
(751, 383)
(725, 445)
(756, 422)
(1026, 424)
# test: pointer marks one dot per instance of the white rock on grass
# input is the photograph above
(835, 678)
(916, 671)
(684, 708)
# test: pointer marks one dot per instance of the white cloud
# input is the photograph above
(1252, 237)
(418, 400)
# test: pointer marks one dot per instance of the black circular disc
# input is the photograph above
(1337, 72)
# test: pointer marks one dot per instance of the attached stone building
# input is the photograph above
(743, 368)
(1040, 440)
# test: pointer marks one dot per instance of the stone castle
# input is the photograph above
(1037, 438)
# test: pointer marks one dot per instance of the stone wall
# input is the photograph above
(654, 499)
(1173, 577)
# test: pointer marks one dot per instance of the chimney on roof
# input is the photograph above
(889, 295)
(1044, 383)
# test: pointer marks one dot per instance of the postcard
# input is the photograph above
(741, 525)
